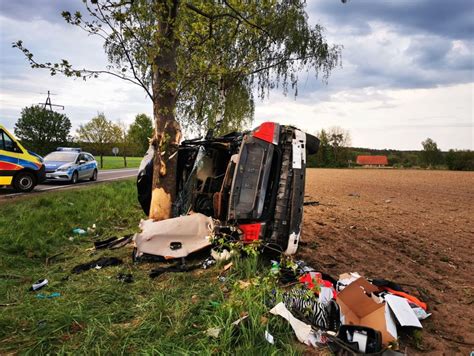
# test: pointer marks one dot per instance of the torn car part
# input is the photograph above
(174, 238)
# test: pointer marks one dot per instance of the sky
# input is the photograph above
(406, 73)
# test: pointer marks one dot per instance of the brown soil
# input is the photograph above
(415, 228)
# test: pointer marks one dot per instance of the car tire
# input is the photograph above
(312, 144)
(24, 182)
(94, 175)
(75, 177)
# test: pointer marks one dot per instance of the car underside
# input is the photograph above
(251, 182)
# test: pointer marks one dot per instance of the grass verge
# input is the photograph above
(112, 162)
(97, 314)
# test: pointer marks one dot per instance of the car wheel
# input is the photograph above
(75, 178)
(94, 175)
(312, 144)
(24, 182)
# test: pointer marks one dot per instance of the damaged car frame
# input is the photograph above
(250, 182)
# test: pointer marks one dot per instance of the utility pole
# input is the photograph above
(48, 103)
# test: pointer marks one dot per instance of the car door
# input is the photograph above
(8, 159)
(89, 165)
(82, 166)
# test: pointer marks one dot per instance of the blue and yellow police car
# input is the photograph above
(19, 167)
(69, 164)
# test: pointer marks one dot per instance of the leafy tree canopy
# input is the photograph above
(140, 133)
(43, 130)
(225, 51)
(431, 154)
(99, 133)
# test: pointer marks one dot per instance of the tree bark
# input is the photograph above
(167, 129)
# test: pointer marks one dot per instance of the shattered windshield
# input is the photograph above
(184, 198)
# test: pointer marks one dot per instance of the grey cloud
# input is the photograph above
(452, 19)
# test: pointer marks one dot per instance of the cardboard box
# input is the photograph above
(361, 307)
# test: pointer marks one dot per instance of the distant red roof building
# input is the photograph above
(372, 160)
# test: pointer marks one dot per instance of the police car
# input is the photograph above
(68, 164)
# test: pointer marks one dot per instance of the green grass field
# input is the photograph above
(97, 314)
(112, 162)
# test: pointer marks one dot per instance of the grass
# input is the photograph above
(97, 314)
(112, 162)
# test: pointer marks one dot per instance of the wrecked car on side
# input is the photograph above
(251, 182)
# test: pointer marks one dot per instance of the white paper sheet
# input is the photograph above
(390, 322)
(402, 311)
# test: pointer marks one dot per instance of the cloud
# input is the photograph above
(406, 74)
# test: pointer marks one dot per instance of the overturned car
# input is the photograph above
(248, 182)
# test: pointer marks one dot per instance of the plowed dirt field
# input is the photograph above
(413, 227)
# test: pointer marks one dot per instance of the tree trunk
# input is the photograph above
(167, 129)
(125, 160)
(101, 161)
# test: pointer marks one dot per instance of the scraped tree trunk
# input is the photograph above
(167, 129)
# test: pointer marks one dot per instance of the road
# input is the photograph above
(104, 176)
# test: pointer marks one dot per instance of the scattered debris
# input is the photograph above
(242, 318)
(39, 284)
(99, 263)
(208, 262)
(227, 266)
(8, 304)
(244, 284)
(125, 277)
(113, 242)
(48, 296)
(356, 195)
(90, 230)
(304, 332)
(223, 255)
(79, 231)
(269, 337)
(361, 339)
(352, 313)
(174, 268)
(311, 203)
(213, 332)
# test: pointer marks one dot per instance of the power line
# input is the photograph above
(48, 102)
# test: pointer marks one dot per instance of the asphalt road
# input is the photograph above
(104, 176)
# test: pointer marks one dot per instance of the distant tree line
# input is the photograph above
(42, 131)
(335, 152)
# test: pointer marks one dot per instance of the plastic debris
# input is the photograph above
(208, 262)
(238, 321)
(125, 277)
(275, 269)
(420, 313)
(227, 266)
(303, 331)
(79, 231)
(213, 332)
(39, 284)
(98, 264)
(269, 337)
(48, 296)
(224, 255)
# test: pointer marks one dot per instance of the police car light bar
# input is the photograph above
(71, 149)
